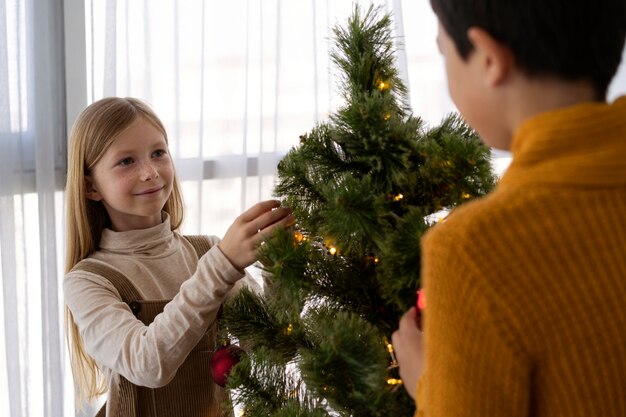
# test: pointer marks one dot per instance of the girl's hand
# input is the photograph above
(244, 236)
(408, 345)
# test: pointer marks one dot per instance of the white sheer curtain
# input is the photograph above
(32, 165)
(236, 83)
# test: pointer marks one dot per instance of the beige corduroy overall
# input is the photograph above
(192, 392)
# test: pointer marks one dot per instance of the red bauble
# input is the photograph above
(223, 361)
(420, 305)
(421, 300)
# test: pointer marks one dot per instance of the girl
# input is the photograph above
(141, 299)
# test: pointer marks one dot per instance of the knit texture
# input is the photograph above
(526, 287)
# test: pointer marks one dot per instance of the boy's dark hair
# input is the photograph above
(571, 39)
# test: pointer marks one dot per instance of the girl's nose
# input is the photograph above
(149, 171)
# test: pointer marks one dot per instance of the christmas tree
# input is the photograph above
(364, 186)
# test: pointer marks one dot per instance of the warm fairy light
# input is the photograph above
(387, 116)
(298, 236)
(383, 86)
(465, 196)
(394, 381)
(372, 259)
(288, 330)
(398, 197)
(330, 245)
(389, 346)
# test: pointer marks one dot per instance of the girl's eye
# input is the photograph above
(126, 161)
(159, 153)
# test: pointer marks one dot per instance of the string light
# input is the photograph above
(332, 250)
(387, 116)
(288, 330)
(298, 236)
(465, 196)
(394, 381)
(389, 346)
(382, 86)
(372, 259)
(398, 197)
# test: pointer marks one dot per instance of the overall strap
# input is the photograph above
(124, 286)
(200, 243)
(127, 290)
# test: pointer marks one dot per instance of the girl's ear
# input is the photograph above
(90, 190)
(495, 58)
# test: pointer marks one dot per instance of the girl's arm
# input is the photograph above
(148, 355)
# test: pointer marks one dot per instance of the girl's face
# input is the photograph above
(134, 178)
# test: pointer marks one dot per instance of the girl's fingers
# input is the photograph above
(268, 218)
(267, 231)
(258, 209)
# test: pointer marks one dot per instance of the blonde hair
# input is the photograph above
(94, 131)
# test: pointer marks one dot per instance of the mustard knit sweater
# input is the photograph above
(526, 288)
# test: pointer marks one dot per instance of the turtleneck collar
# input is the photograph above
(153, 241)
(584, 144)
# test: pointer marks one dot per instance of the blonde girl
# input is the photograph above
(141, 299)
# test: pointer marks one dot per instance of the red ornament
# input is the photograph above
(420, 305)
(421, 300)
(223, 361)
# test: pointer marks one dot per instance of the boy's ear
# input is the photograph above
(90, 190)
(495, 58)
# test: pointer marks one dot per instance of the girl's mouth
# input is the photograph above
(150, 191)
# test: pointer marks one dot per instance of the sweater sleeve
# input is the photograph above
(148, 355)
(419, 397)
(473, 366)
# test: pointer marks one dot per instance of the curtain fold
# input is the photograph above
(32, 166)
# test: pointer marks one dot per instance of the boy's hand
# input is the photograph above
(408, 345)
(244, 236)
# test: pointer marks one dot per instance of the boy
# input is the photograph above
(525, 288)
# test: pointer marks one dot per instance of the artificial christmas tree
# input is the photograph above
(364, 187)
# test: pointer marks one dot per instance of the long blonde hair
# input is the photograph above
(94, 131)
